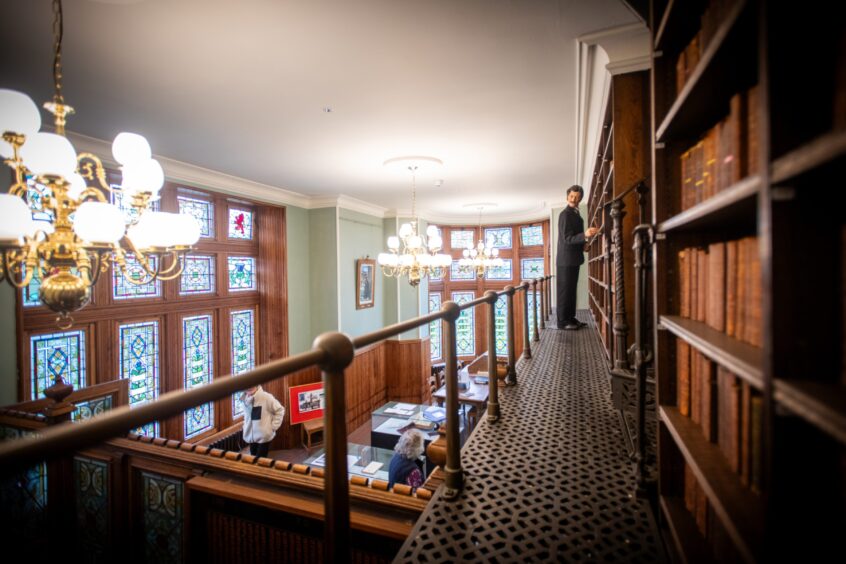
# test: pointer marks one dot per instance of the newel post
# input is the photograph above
(527, 342)
(493, 380)
(536, 336)
(454, 477)
(511, 374)
(339, 351)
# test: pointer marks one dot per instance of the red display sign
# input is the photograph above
(307, 402)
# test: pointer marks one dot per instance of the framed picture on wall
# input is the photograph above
(365, 283)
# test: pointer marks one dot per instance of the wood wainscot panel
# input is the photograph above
(408, 366)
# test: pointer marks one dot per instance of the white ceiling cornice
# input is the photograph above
(199, 177)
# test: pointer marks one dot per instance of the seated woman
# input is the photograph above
(406, 466)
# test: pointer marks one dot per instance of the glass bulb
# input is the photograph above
(495, 252)
(415, 242)
(99, 222)
(433, 231)
(186, 230)
(142, 176)
(77, 186)
(48, 153)
(130, 147)
(15, 218)
(405, 230)
(393, 242)
(18, 114)
(435, 242)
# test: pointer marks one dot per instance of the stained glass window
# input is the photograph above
(35, 195)
(531, 268)
(435, 327)
(498, 237)
(461, 239)
(91, 479)
(124, 204)
(139, 361)
(465, 325)
(200, 209)
(240, 224)
(457, 273)
(162, 509)
(30, 292)
(54, 355)
(123, 289)
(243, 348)
(197, 275)
(241, 273)
(88, 409)
(198, 370)
(502, 272)
(531, 235)
(23, 495)
(501, 325)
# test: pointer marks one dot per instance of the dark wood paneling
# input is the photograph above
(407, 370)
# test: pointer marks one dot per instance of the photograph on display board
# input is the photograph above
(307, 402)
(310, 401)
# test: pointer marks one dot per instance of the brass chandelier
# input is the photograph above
(413, 255)
(482, 257)
(78, 233)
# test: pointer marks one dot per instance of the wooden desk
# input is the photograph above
(476, 396)
(311, 428)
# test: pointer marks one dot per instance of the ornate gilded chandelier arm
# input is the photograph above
(16, 140)
(90, 167)
(12, 261)
(119, 261)
(173, 271)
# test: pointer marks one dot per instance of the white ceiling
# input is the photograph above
(239, 87)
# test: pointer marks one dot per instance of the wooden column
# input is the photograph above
(454, 477)
(493, 380)
(542, 282)
(511, 374)
(527, 344)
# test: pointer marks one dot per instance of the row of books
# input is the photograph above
(692, 53)
(727, 153)
(720, 285)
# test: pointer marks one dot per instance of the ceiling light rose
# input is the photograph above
(83, 234)
(413, 255)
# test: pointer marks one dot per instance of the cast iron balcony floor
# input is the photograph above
(551, 481)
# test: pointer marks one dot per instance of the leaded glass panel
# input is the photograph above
(198, 370)
(531, 297)
(465, 325)
(461, 239)
(241, 273)
(197, 275)
(88, 409)
(202, 210)
(501, 325)
(498, 237)
(532, 235)
(57, 354)
(91, 478)
(243, 349)
(123, 289)
(139, 361)
(458, 273)
(162, 509)
(124, 204)
(240, 224)
(531, 268)
(435, 327)
(502, 272)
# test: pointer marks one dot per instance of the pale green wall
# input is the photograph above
(390, 284)
(361, 236)
(8, 351)
(323, 269)
(300, 335)
(582, 290)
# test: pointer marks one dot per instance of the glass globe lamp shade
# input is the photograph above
(48, 153)
(388, 259)
(415, 242)
(406, 260)
(154, 229)
(444, 260)
(435, 242)
(99, 222)
(77, 186)
(15, 218)
(130, 148)
(495, 252)
(465, 253)
(432, 231)
(18, 114)
(405, 230)
(186, 230)
(142, 176)
(393, 242)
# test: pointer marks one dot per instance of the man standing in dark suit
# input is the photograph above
(570, 256)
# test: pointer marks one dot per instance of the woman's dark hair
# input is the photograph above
(576, 188)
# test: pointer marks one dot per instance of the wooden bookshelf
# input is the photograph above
(741, 358)
(779, 108)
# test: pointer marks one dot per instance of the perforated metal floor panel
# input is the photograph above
(551, 480)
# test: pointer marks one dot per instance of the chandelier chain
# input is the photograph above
(58, 33)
